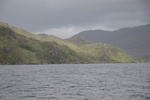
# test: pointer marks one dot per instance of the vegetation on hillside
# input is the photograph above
(134, 40)
(17, 46)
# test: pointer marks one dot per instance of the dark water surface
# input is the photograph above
(75, 82)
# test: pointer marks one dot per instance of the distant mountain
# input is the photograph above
(135, 41)
(18, 46)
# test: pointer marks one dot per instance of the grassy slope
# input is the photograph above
(41, 37)
(18, 46)
(101, 52)
(18, 49)
(12, 48)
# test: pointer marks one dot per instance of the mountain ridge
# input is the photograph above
(134, 40)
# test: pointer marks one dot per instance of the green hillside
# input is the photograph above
(133, 40)
(102, 52)
(18, 46)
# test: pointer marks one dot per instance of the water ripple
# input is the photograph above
(75, 82)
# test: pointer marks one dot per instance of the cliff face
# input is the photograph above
(18, 46)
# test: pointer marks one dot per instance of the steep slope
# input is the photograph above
(27, 48)
(135, 41)
(18, 49)
(40, 37)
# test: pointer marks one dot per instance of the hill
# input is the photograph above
(18, 46)
(135, 41)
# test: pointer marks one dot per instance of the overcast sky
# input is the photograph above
(65, 18)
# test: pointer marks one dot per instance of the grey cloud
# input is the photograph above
(37, 15)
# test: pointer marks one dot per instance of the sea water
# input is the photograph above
(75, 82)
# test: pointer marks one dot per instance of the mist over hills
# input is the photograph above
(18, 46)
(134, 40)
